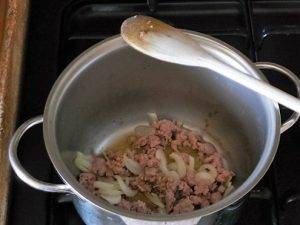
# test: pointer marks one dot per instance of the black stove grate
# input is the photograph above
(59, 30)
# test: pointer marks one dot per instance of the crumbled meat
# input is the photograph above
(98, 166)
(140, 184)
(224, 176)
(165, 128)
(179, 195)
(115, 163)
(109, 172)
(151, 173)
(183, 205)
(125, 204)
(136, 206)
(170, 200)
(172, 184)
(181, 136)
(185, 188)
(161, 182)
(185, 157)
(214, 159)
(221, 189)
(141, 142)
(207, 148)
(174, 145)
(153, 141)
(197, 200)
(201, 188)
(193, 139)
(215, 197)
(190, 177)
(87, 180)
(147, 160)
(140, 206)
(200, 156)
(213, 187)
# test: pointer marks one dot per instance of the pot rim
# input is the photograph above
(114, 43)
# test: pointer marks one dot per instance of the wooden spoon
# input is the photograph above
(162, 41)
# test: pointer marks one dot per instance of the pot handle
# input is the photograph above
(283, 70)
(18, 168)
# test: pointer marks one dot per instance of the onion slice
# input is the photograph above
(111, 192)
(103, 184)
(132, 166)
(209, 168)
(181, 167)
(160, 155)
(152, 118)
(125, 189)
(83, 162)
(207, 172)
(112, 199)
(191, 165)
(107, 188)
(172, 166)
(155, 199)
(109, 182)
(173, 175)
(229, 189)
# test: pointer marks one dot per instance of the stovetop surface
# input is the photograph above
(59, 30)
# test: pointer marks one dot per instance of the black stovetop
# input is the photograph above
(59, 30)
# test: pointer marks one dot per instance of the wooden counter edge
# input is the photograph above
(11, 61)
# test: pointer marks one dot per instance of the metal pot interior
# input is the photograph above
(112, 88)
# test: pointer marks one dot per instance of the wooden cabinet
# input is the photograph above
(13, 20)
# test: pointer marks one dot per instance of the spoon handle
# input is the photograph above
(256, 85)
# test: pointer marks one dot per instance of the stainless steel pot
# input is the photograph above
(111, 87)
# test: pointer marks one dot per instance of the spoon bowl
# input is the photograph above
(162, 41)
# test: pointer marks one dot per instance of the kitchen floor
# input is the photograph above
(59, 30)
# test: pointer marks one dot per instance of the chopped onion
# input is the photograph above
(172, 166)
(229, 189)
(191, 165)
(209, 168)
(113, 182)
(132, 165)
(155, 199)
(103, 184)
(152, 118)
(112, 199)
(106, 188)
(202, 175)
(109, 191)
(160, 155)
(116, 185)
(83, 162)
(144, 130)
(126, 189)
(207, 172)
(173, 175)
(181, 167)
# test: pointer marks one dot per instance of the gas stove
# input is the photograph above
(59, 30)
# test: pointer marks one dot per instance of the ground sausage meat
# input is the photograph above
(98, 166)
(184, 205)
(164, 167)
(87, 180)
